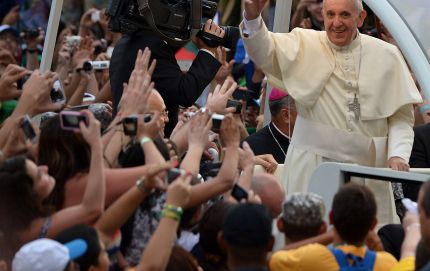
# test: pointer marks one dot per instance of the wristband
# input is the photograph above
(140, 184)
(144, 140)
(171, 215)
(172, 212)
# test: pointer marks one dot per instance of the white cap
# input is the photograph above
(47, 255)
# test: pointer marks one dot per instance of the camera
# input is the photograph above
(239, 193)
(129, 125)
(28, 129)
(174, 20)
(216, 122)
(100, 65)
(70, 120)
(57, 93)
(236, 104)
(173, 174)
(31, 33)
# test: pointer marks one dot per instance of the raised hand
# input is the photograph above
(229, 133)
(246, 156)
(149, 129)
(91, 131)
(198, 133)
(217, 101)
(253, 8)
(136, 93)
(8, 87)
(178, 193)
(153, 180)
(36, 96)
(226, 67)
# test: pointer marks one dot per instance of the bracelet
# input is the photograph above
(140, 184)
(171, 215)
(144, 140)
(413, 225)
(172, 212)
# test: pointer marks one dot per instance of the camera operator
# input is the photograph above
(176, 88)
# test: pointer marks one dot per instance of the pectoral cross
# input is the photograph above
(355, 106)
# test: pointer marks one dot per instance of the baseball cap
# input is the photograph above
(8, 29)
(277, 94)
(47, 255)
(247, 225)
(303, 209)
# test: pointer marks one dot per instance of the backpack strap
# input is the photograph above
(369, 259)
(340, 257)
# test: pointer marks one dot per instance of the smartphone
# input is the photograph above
(100, 65)
(28, 129)
(216, 122)
(129, 125)
(239, 193)
(109, 51)
(95, 16)
(57, 93)
(235, 104)
(173, 174)
(70, 120)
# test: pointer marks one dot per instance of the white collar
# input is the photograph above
(280, 131)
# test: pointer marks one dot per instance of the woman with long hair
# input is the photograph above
(24, 186)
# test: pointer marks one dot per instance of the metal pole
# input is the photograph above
(51, 35)
(281, 25)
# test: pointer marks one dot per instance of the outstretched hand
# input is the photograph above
(8, 86)
(136, 93)
(253, 8)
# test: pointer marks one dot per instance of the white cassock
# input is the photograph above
(354, 103)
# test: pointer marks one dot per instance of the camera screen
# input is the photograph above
(72, 121)
(28, 129)
(57, 93)
(130, 126)
(239, 193)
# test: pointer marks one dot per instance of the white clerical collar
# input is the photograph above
(355, 42)
(280, 131)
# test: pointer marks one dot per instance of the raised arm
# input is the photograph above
(118, 213)
(198, 139)
(93, 201)
(225, 179)
(157, 253)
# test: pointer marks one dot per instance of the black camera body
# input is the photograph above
(172, 20)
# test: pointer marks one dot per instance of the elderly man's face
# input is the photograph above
(341, 20)
(156, 104)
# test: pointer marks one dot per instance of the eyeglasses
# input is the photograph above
(165, 113)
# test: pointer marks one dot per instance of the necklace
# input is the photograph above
(353, 106)
(277, 142)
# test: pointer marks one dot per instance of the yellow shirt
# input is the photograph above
(406, 264)
(318, 257)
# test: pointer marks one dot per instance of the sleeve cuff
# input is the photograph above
(250, 27)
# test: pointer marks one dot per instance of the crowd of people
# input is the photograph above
(116, 159)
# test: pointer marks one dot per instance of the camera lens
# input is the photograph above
(87, 66)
